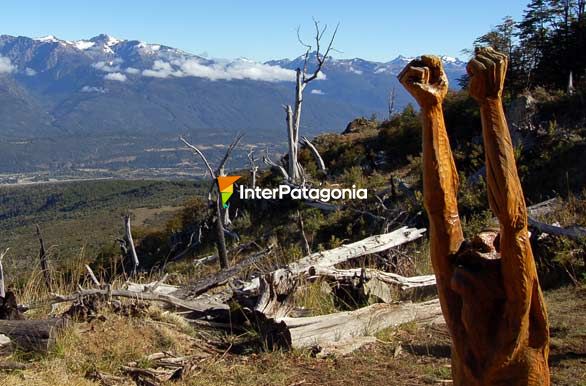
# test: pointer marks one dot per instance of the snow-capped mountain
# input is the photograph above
(52, 87)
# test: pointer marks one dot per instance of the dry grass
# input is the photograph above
(153, 216)
(410, 355)
(104, 346)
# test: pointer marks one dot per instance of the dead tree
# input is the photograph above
(318, 159)
(304, 243)
(130, 244)
(253, 167)
(2, 285)
(392, 97)
(571, 88)
(268, 161)
(220, 215)
(44, 259)
(303, 76)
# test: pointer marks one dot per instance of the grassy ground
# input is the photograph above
(409, 355)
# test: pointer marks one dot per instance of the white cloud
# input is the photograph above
(111, 66)
(317, 92)
(132, 70)
(99, 90)
(220, 70)
(30, 72)
(161, 69)
(6, 66)
(117, 76)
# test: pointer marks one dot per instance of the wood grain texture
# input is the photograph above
(488, 287)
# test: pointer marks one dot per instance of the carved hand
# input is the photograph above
(425, 80)
(487, 72)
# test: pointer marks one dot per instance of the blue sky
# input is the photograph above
(262, 30)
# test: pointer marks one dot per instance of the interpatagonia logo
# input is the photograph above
(303, 193)
(226, 186)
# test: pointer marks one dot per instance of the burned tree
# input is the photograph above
(488, 287)
(217, 201)
(44, 258)
(303, 76)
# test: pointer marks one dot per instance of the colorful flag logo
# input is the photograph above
(226, 186)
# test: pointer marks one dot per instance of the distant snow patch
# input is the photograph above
(449, 59)
(48, 39)
(83, 44)
(99, 90)
(112, 41)
(6, 66)
(117, 76)
(317, 92)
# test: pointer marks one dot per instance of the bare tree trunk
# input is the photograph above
(131, 244)
(304, 245)
(221, 241)
(392, 97)
(268, 161)
(92, 276)
(293, 116)
(2, 287)
(253, 167)
(293, 171)
(44, 260)
(318, 159)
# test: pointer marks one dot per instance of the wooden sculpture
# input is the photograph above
(488, 287)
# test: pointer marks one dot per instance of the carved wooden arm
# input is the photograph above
(487, 73)
(426, 81)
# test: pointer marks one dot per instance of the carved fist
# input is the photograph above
(487, 72)
(425, 80)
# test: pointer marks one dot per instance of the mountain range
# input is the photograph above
(55, 92)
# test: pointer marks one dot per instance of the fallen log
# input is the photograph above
(386, 286)
(12, 365)
(367, 246)
(164, 289)
(223, 276)
(275, 289)
(32, 335)
(544, 207)
(329, 330)
(232, 252)
(387, 277)
(574, 233)
(198, 305)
